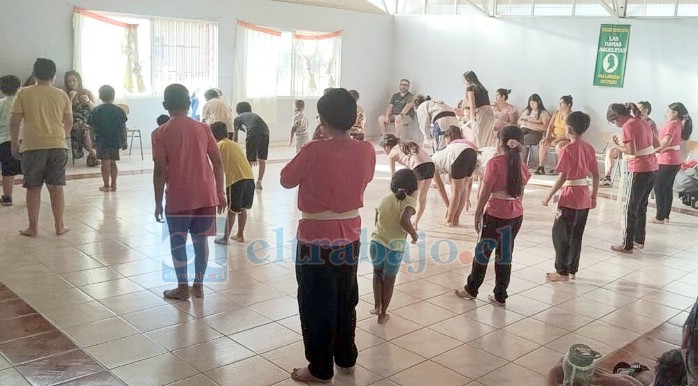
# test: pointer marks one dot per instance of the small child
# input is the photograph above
(9, 85)
(577, 162)
(300, 125)
(239, 182)
(162, 119)
(388, 239)
(108, 123)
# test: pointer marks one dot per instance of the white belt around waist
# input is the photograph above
(328, 215)
(502, 196)
(642, 152)
(577, 182)
(675, 147)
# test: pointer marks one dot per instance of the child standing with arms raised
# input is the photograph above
(388, 239)
(577, 162)
(499, 222)
(300, 125)
(239, 182)
(108, 123)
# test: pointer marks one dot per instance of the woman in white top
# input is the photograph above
(459, 160)
(438, 113)
(413, 157)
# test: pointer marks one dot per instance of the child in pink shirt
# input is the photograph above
(577, 162)
(677, 129)
(183, 152)
(498, 224)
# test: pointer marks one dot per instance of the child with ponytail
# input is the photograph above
(388, 239)
(499, 215)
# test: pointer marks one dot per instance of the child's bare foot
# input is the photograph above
(304, 375)
(375, 311)
(238, 238)
(554, 276)
(572, 276)
(462, 293)
(105, 188)
(29, 233)
(62, 230)
(179, 293)
(113, 188)
(221, 241)
(383, 318)
(197, 291)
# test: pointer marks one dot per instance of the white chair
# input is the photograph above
(132, 133)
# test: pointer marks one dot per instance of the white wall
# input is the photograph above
(43, 28)
(551, 57)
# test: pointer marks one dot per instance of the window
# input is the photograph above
(271, 63)
(140, 56)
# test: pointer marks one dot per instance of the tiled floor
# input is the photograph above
(100, 288)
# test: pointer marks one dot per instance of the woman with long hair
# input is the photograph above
(499, 215)
(556, 135)
(534, 121)
(433, 113)
(459, 160)
(678, 128)
(413, 157)
(504, 112)
(482, 118)
(638, 143)
(82, 102)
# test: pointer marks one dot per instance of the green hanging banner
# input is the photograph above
(612, 55)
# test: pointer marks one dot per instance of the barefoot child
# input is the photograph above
(239, 182)
(388, 239)
(577, 162)
(410, 155)
(499, 223)
(11, 166)
(108, 123)
(187, 160)
(300, 125)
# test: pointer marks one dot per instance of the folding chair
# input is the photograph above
(132, 133)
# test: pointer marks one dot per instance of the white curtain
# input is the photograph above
(317, 62)
(256, 69)
(105, 51)
(185, 52)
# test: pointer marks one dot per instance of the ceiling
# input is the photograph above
(368, 6)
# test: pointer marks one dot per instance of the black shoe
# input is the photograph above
(6, 201)
(540, 171)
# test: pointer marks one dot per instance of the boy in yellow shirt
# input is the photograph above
(239, 182)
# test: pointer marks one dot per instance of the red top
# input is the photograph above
(638, 131)
(331, 175)
(185, 144)
(671, 157)
(496, 175)
(577, 161)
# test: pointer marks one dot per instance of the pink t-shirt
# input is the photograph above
(331, 175)
(671, 157)
(577, 161)
(496, 175)
(410, 161)
(638, 131)
(185, 144)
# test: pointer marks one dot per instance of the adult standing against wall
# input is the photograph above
(216, 109)
(48, 118)
(399, 110)
(482, 116)
(678, 127)
(331, 176)
(638, 144)
(83, 101)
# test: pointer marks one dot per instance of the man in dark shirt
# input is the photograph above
(399, 111)
(257, 140)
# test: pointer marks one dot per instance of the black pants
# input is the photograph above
(496, 234)
(327, 297)
(568, 231)
(641, 185)
(664, 190)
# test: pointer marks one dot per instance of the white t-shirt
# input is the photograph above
(443, 159)
(216, 110)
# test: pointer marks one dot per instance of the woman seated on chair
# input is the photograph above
(82, 103)
(556, 135)
(534, 122)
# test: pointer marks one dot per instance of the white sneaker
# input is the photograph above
(605, 183)
(259, 185)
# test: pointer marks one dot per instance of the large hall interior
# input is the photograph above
(98, 300)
